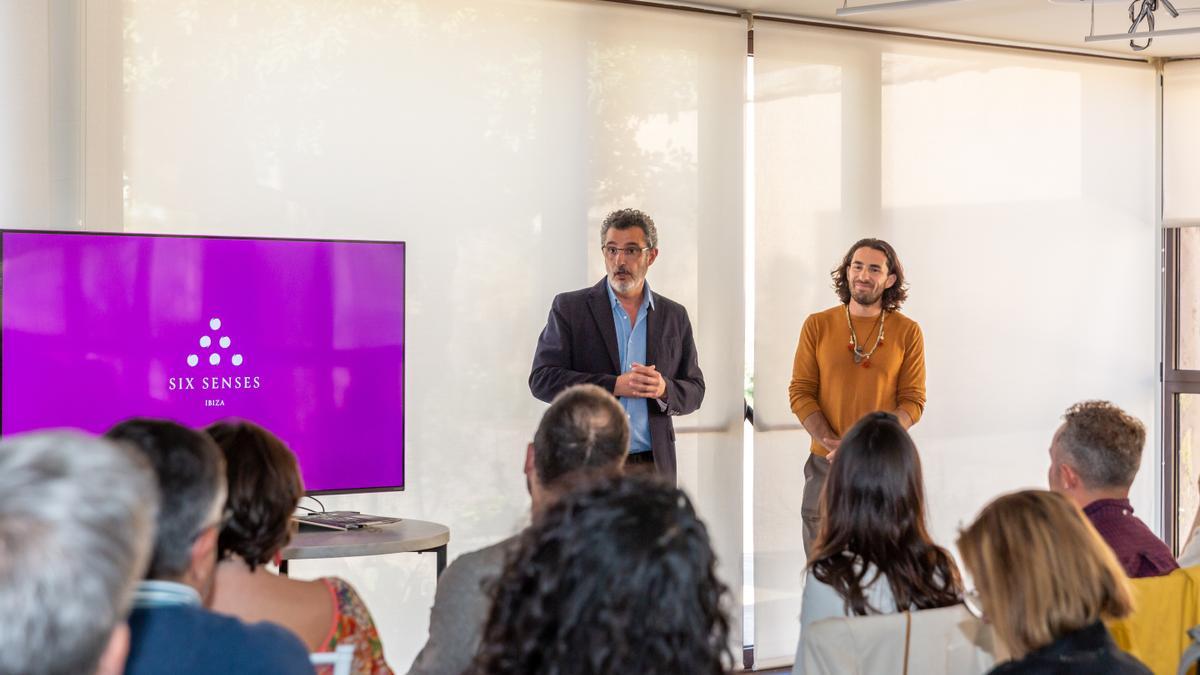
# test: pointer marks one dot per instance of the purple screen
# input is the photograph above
(305, 338)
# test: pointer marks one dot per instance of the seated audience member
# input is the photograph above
(1094, 457)
(171, 630)
(1045, 581)
(264, 489)
(76, 525)
(584, 428)
(614, 577)
(873, 554)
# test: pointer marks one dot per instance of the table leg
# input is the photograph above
(441, 560)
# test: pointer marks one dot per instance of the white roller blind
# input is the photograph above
(1018, 189)
(41, 149)
(1181, 143)
(492, 136)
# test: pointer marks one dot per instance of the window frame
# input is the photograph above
(1175, 381)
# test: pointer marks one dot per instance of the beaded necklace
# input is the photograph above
(859, 356)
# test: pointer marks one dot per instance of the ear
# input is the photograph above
(891, 281)
(1069, 477)
(204, 557)
(537, 493)
(112, 660)
(652, 255)
(205, 546)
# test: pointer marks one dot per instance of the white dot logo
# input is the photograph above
(214, 357)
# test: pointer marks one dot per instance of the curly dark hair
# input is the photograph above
(623, 219)
(873, 508)
(264, 489)
(615, 577)
(892, 297)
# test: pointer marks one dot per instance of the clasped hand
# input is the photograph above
(641, 382)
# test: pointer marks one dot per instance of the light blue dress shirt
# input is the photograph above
(631, 347)
(153, 593)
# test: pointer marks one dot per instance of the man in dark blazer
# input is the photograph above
(625, 338)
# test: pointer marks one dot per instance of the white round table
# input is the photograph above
(406, 536)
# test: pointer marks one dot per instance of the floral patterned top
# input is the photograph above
(352, 623)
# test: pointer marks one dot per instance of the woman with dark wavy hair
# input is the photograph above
(616, 577)
(873, 554)
(264, 488)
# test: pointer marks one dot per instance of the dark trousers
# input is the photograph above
(639, 463)
(816, 470)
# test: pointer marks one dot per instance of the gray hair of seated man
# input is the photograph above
(76, 528)
(190, 474)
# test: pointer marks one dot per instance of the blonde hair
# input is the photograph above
(1041, 570)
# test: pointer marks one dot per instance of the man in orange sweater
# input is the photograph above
(857, 357)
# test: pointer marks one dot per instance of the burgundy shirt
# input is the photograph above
(1140, 552)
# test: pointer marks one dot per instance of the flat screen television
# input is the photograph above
(303, 337)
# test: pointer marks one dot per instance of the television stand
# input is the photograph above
(405, 536)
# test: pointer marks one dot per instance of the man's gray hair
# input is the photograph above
(76, 526)
(1102, 443)
(627, 218)
(190, 473)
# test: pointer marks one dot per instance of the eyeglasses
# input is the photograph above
(631, 252)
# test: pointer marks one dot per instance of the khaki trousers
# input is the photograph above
(816, 470)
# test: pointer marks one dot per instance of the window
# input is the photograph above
(1181, 380)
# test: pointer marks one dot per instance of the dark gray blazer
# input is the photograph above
(579, 345)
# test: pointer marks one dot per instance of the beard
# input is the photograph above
(865, 297)
(623, 284)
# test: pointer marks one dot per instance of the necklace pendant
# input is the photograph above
(858, 358)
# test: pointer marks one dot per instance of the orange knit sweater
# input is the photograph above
(826, 378)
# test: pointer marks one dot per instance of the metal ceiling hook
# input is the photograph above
(1146, 13)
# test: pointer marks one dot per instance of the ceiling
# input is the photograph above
(1061, 23)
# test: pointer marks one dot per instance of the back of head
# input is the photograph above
(616, 577)
(873, 507)
(584, 428)
(264, 489)
(1041, 570)
(191, 481)
(1102, 443)
(76, 526)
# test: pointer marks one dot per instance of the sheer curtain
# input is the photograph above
(41, 136)
(492, 136)
(1018, 189)
(1181, 143)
